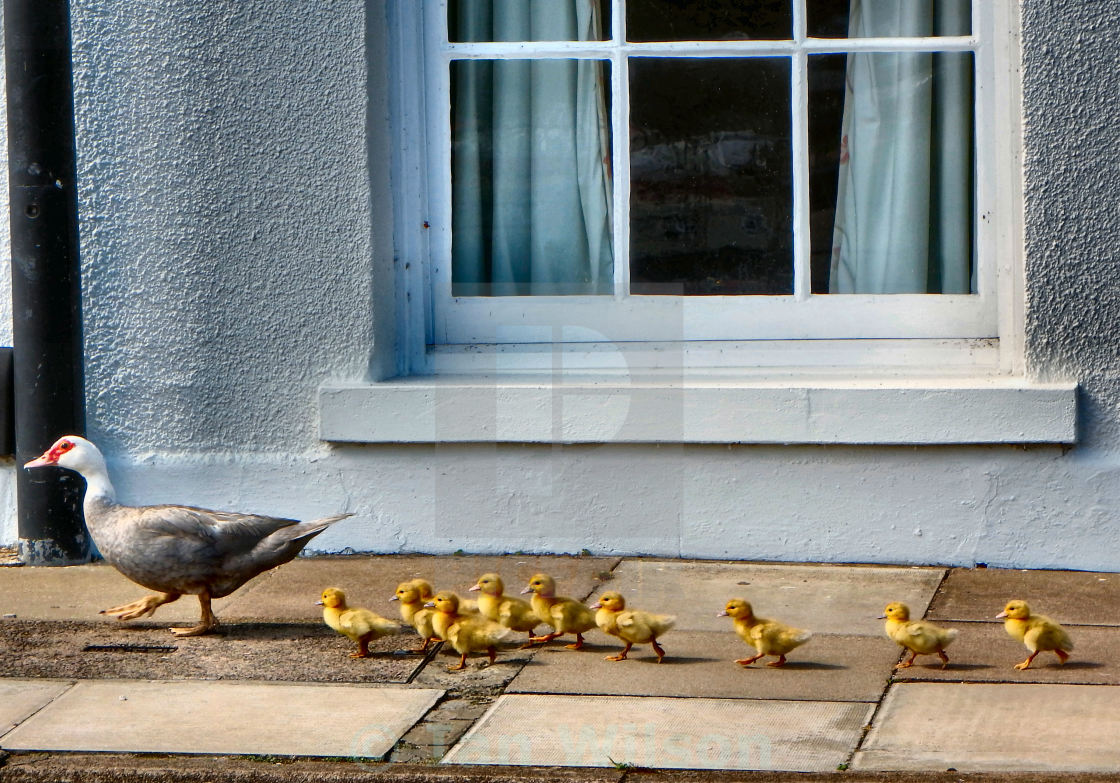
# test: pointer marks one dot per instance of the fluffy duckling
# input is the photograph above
(413, 595)
(918, 636)
(1038, 632)
(467, 633)
(630, 625)
(768, 637)
(513, 613)
(360, 625)
(565, 615)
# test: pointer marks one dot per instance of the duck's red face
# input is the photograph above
(52, 455)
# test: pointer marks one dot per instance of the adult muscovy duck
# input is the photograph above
(177, 550)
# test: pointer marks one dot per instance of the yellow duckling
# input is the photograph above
(1038, 632)
(918, 636)
(467, 633)
(565, 615)
(361, 625)
(632, 626)
(413, 595)
(768, 637)
(513, 613)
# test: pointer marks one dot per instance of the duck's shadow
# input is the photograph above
(807, 666)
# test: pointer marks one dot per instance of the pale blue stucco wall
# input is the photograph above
(237, 230)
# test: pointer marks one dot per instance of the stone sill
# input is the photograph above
(497, 409)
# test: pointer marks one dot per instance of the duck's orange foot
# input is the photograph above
(359, 655)
(196, 630)
(1023, 665)
(780, 662)
(747, 661)
(615, 658)
(141, 607)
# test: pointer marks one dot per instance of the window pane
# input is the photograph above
(897, 167)
(531, 182)
(528, 20)
(710, 183)
(708, 20)
(887, 18)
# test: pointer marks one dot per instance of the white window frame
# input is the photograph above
(510, 321)
(959, 388)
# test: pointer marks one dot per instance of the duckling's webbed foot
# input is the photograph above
(139, 608)
(747, 661)
(622, 655)
(944, 659)
(578, 643)
(780, 662)
(657, 649)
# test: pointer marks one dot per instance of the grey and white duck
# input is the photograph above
(177, 550)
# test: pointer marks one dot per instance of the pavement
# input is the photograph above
(275, 696)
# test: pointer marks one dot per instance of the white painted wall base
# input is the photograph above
(1012, 507)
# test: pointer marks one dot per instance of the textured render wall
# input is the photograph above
(232, 243)
(1071, 86)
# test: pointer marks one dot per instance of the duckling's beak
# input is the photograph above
(318, 603)
(595, 606)
(881, 617)
(1001, 615)
(723, 614)
(474, 589)
(526, 590)
(430, 605)
(395, 598)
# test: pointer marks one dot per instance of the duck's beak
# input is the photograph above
(474, 589)
(42, 461)
(430, 605)
(526, 590)
(595, 606)
(881, 617)
(722, 614)
(1001, 615)
(395, 598)
(318, 603)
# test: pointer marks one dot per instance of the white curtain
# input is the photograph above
(530, 159)
(904, 199)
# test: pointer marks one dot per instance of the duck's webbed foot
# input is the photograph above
(139, 608)
(206, 624)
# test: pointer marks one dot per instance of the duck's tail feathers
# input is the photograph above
(306, 531)
(803, 636)
(951, 634)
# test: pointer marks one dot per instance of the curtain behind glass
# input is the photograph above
(531, 192)
(904, 200)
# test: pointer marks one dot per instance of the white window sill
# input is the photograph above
(648, 409)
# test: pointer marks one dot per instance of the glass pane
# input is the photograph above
(887, 18)
(891, 150)
(530, 176)
(708, 20)
(710, 184)
(528, 20)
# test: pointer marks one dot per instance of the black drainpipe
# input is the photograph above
(46, 291)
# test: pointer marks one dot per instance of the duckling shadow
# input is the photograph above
(805, 666)
(272, 632)
(1081, 665)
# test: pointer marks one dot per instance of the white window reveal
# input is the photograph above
(656, 170)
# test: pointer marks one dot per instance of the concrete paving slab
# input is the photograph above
(586, 731)
(19, 699)
(245, 650)
(1075, 597)
(291, 590)
(80, 592)
(224, 718)
(995, 727)
(825, 599)
(702, 664)
(983, 652)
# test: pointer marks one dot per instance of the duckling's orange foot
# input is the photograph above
(359, 654)
(548, 637)
(1025, 664)
(615, 658)
(747, 661)
(780, 662)
(904, 664)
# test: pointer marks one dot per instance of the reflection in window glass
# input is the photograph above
(531, 181)
(708, 20)
(470, 21)
(710, 176)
